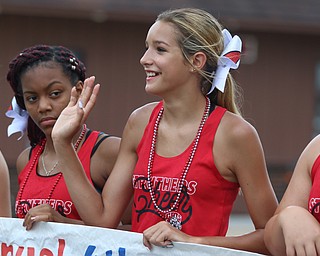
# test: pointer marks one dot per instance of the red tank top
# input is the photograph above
(206, 199)
(314, 197)
(37, 188)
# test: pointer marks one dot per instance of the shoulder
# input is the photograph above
(314, 145)
(135, 126)
(237, 148)
(139, 118)
(310, 153)
(142, 114)
(298, 190)
(236, 129)
(3, 165)
(23, 159)
(107, 145)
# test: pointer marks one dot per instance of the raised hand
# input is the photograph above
(77, 111)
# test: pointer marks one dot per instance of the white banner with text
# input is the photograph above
(56, 239)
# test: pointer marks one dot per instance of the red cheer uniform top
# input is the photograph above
(314, 197)
(38, 189)
(206, 199)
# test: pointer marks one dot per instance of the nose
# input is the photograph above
(145, 59)
(44, 105)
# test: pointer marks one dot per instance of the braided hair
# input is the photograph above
(32, 57)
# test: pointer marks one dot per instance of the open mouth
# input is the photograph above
(152, 74)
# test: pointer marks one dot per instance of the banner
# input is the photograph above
(56, 239)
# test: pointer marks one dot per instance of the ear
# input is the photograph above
(198, 60)
(79, 87)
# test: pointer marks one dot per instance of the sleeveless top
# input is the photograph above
(206, 199)
(314, 197)
(37, 188)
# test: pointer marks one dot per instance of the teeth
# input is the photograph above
(151, 74)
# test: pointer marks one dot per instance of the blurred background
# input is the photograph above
(279, 71)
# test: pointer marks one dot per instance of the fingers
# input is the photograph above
(77, 111)
(88, 96)
(32, 220)
(28, 222)
(73, 97)
(39, 213)
(146, 243)
(168, 244)
(159, 235)
(89, 92)
(88, 104)
(303, 249)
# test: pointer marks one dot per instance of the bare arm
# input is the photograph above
(239, 157)
(42, 212)
(102, 163)
(45, 212)
(293, 230)
(94, 209)
(245, 160)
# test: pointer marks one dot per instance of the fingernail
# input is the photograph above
(170, 245)
(148, 248)
(32, 218)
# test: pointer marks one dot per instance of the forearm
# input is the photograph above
(290, 230)
(86, 199)
(5, 202)
(252, 242)
(273, 237)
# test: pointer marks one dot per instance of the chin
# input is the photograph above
(152, 90)
(47, 130)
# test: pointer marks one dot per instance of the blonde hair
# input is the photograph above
(197, 30)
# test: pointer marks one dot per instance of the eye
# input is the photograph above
(31, 98)
(55, 94)
(161, 49)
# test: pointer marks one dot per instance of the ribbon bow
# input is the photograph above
(20, 119)
(230, 58)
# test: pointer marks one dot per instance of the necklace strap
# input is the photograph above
(167, 214)
(19, 207)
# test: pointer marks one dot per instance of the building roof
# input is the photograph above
(272, 15)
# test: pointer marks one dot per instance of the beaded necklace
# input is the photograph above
(165, 214)
(41, 148)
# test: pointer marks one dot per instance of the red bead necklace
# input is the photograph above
(165, 214)
(41, 148)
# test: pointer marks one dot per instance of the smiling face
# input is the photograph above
(46, 92)
(165, 67)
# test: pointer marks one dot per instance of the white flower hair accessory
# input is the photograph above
(20, 119)
(230, 58)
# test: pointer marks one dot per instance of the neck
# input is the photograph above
(181, 111)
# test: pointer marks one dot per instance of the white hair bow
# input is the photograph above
(20, 119)
(230, 58)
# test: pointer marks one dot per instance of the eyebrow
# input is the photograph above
(49, 85)
(157, 42)
(160, 42)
